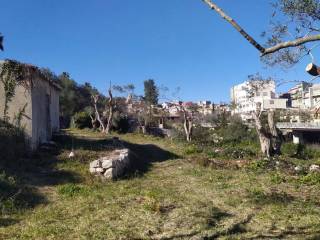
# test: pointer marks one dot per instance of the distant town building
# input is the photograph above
(205, 107)
(305, 95)
(299, 95)
(244, 103)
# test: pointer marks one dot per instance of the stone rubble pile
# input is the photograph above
(113, 165)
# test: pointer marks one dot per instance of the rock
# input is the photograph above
(113, 165)
(71, 155)
(314, 168)
(298, 168)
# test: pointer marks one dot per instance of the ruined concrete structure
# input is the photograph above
(36, 102)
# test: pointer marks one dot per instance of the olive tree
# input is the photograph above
(270, 141)
(294, 24)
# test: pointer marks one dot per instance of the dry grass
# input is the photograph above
(171, 198)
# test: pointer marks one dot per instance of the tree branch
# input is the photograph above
(264, 51)
(294, 43)
(1, 42)
(213, 6)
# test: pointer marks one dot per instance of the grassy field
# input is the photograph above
(167, 195)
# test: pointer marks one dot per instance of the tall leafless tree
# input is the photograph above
(104, 119)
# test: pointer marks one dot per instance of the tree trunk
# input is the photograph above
(144, 130)
(94, 122)
(264, 139)
(187, 127)
(95, 101)
(109, 122)
(276, 141)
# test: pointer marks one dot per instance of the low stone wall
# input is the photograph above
(111, 166)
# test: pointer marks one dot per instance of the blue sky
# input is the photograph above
(179, 43)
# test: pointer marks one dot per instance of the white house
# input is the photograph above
(36, 100)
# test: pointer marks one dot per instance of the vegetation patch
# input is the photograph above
(312, 178)
(73, 190)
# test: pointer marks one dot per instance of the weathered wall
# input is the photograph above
(41, 116)
(45, 111)
(54, 110)
(21, 98)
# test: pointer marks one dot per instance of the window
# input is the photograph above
(258, 94)
(271, 102)
(265, 94)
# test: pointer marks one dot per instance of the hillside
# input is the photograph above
(168, 195)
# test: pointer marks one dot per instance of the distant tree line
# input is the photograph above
(74, 98)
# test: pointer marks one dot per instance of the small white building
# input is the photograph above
(36, 100)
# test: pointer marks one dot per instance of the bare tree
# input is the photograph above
(95, 99)
(104, 119)
(187, 124)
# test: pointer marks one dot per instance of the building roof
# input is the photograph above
(36, 70)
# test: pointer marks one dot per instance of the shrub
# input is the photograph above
(120, 123)
(289, 149)
(12, 144)
(82, 120)
(13, 197)
(312, 152)
(238, 152)
(202, 135)
(276, 178)
(177, 133)
(259, 165)
(294, 150)
(72, 190)
(312, 178)
(236, 131)
(192, 149)
(235, 151)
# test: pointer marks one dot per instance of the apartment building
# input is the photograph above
(245, 98)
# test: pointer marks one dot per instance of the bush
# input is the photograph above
(259, 165)
(72, 190)
(294, 150)
(120, 123)
(202, 135)
(177, 133)
(82, 120)
(238, 152)
(236, 131)
(312, 178)
(235, 151)
(192, 149)
(13, 196)
(12, 144)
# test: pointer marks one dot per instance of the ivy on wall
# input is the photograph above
(14, 73)
(11, 74)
